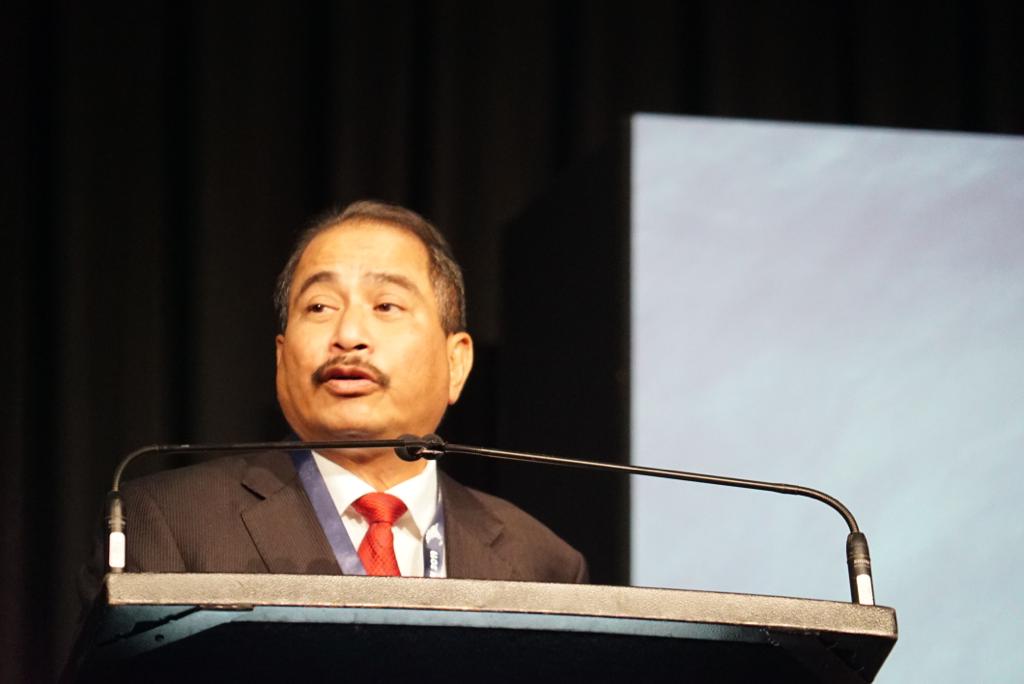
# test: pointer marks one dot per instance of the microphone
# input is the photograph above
(432, 447)
(858, 558)
(429, 447)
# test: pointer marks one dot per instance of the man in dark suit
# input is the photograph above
(372, 345)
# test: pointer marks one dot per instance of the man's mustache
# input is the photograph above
(323, 373)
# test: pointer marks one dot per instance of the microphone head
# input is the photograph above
(429, 446)
(433, 447)
(411, 450)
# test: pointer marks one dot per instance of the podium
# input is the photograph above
(151, 628)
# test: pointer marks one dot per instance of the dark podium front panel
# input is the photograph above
(226, 628)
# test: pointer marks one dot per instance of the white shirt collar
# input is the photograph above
(418, 493)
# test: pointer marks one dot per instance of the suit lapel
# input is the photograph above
(472, 536)
(282, 523)
(286, 533)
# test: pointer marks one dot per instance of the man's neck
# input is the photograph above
(380, 469)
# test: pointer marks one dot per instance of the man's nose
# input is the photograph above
(352, 332)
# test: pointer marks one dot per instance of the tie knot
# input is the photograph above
(379, 507)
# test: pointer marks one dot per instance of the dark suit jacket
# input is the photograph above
(250, 514)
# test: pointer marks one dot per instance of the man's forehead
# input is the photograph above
(366, 242)
(366, 278)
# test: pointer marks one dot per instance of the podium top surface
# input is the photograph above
(635, 603)
(169, 619)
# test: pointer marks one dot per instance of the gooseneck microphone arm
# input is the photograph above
(256, 446)
(857, 555)
(779, 487)
(412, 448)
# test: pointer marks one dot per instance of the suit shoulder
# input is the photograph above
(214, 478)
(215, 467)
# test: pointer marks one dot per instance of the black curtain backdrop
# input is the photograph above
(159, 158)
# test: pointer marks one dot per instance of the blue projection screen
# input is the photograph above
(841, 308)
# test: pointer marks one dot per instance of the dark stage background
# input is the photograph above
(160, 157)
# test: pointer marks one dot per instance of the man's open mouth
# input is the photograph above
(350, 380)
(348, 373)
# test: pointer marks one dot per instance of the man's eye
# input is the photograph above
(387, 307)
(316, 308)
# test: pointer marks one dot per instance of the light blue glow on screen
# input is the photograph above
(841, 308)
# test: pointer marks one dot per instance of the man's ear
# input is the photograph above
(460, 362)
(278, 347)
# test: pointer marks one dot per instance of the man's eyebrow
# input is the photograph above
(318, 277)
(401, 281)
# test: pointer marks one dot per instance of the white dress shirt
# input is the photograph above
(419, 494)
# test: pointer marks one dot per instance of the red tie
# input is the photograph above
(377, 549)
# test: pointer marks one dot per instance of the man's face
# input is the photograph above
(364, 354)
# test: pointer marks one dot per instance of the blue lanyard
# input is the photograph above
(344, 551)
